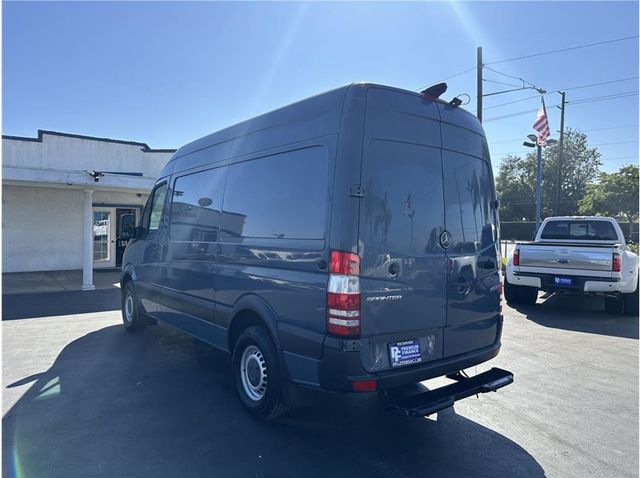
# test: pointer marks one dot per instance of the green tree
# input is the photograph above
(515, 182)
(615, 195)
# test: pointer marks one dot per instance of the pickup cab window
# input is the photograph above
(580, 231)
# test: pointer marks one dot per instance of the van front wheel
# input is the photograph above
(131, 315)
(257, 375)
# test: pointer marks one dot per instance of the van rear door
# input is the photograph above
(403, 269)
(473, 298)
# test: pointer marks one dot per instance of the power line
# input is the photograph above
(602, 98)
(519, 113)
(610, 127)
(582, 131)
(500, 82)
(589, 145)
(562, 89)
(575, 102)
(615, 142)
(460, 73)
(509, 76)
(599, 84)
(620, 157)
(514, 101)
(448, 77)
(550, 52)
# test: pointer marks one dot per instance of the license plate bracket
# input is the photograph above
(405, 353)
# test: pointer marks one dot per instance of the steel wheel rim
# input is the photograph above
(128, 308)
(253, 373)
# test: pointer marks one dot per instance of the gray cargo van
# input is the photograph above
(347, 242)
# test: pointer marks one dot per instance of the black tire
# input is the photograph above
(528, 295)
(511, 293)
(257, 374)
(630, 302)
(132, 317)
(613, 304)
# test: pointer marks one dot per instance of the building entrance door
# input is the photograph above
(125, 226)
(103, 238)
(112, 229)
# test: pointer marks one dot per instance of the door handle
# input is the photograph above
(462, 285)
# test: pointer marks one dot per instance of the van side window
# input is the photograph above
(469, 199)
(195, 206)
(279, 196)
(154, 207)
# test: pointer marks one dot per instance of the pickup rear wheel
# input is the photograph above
(613, 304)
(511, 293)
(631, 303)
(528, 295)
(257, 375)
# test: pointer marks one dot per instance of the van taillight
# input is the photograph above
(346, 263)
(516, 257)
(343, 294)
(616, 264)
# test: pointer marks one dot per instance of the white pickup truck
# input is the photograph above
(573, 254)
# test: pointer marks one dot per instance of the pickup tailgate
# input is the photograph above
(559, 256)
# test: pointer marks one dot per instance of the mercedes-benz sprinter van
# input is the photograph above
(347, 242)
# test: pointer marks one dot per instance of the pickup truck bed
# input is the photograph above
(568, 255)
(587, 266)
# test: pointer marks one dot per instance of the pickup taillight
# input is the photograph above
(616, 263)
(516, 257)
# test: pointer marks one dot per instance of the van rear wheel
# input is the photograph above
(257, 375)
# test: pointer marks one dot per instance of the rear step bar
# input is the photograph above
(426, 403)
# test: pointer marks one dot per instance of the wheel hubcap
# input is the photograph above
(253, 373)
(128, 308)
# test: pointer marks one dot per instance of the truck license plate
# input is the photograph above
(405, 353)
(563, 281)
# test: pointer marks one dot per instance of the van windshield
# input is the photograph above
(580, 230)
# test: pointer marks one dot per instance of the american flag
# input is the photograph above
(542, 125)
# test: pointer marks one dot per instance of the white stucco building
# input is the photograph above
(56, 216)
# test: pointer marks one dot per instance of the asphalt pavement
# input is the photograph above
(84, 398)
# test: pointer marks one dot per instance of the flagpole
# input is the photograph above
(538, 184)
(539, 172)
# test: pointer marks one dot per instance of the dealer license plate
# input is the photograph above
(563, 281)
(405, 353)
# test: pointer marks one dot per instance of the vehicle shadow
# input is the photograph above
(119, 404)
(49, 304)
(579, 313)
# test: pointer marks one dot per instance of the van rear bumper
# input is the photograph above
(338, 369)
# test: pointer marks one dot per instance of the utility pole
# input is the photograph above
(479, 88)
(560, 151)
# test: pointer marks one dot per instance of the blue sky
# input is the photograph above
(167, 73)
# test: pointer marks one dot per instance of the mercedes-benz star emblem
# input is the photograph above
(445, 239)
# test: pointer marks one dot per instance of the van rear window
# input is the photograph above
(580, 230)
(469, 203)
